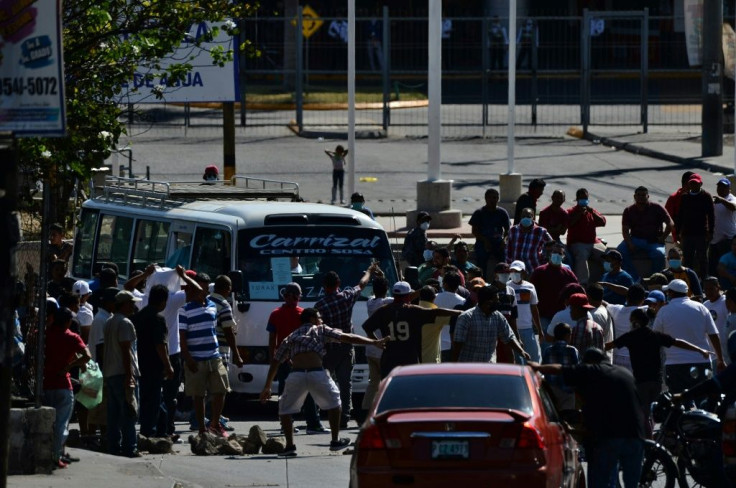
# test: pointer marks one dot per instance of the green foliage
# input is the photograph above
(105, 41)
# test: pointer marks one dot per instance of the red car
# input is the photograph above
(464, 424)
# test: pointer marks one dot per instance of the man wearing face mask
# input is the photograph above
(676, 271)
(615, 280)
(694, 225)
(553, 217)
(357, 202)
(526, 241)
(581, 235)
(548, 279)
(415, 242)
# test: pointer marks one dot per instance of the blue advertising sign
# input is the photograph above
(31, 68)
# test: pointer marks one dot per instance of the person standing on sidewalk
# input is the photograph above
(724, 227)
(338, 171)
(336, 309)
(490, 225)
(153, 358)
(529, 199)
(694, 225)
(415, 242)
(581, 235)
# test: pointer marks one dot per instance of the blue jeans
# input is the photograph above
(62, 400)
(531, 344)
(606, 454)
(120, 418)
(654, 250)
(151, 406)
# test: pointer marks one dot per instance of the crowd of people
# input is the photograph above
(521, 295)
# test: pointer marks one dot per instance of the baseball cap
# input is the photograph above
(80, 288)
(579, 300)
(724, 181)
(191, 273)
(423, 216)
(612, 253)
(125, 296)
(655, 296)
(293, 288)
(678, 286)
(517, 266)
(212, 169)
(401, 288)
(109, 294)
(696, 177)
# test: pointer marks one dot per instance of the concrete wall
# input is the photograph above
(31, 440)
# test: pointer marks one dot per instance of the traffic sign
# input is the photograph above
(310, 21)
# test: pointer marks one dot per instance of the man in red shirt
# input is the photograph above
(64, 351)
(553, 217)
(549, 279)
(672, 205)
(282, 322)
(581, 236)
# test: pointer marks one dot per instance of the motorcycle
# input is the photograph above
(692, 441)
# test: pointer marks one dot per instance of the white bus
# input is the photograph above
(225, 230)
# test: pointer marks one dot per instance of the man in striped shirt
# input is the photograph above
(225, 323)
(204, 370)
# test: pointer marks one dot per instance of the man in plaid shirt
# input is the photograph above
(336, 308)
(526, 241)
(306, 347)
(478, 329)
(585, 332)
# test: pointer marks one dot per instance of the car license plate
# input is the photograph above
(450, 450)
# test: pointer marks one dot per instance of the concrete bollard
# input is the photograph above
(31, 440)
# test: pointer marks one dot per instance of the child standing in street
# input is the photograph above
(338, 171)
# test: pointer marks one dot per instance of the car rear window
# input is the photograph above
(456, 390)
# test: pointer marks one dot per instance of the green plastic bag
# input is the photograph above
(90, 395)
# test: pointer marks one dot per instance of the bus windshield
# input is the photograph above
(272, 257)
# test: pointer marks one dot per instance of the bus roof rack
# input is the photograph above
(142, 192)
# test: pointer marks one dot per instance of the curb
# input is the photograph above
(652, 153)
(326, 134)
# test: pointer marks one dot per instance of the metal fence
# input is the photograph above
(638, 64)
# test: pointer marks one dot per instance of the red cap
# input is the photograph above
(191, 273)
(579, 300)
(212, 169)
(696, 177)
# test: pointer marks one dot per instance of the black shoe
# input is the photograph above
(339, 444)
(289, 451)
(68, 458)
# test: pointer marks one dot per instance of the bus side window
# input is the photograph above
(150, 243)
(84, 244)
(114, 242)
(211, 251)
(179, 249)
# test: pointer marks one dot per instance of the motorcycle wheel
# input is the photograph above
(658, 465)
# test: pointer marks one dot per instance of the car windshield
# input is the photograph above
(456, 391)
(272, 257)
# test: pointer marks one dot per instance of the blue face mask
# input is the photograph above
(526, 222)
(583, 203)
(606, 266)
(356, 205)
(555, 259)
(428, 254)
(675, 263)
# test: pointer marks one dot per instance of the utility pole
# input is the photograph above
(712, 85)
(228, 128)
(9, 226)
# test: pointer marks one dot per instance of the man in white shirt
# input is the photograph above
(715, 302)
(448, 298)
(85, 314)
(691, 321)
(724, 228)
(527, 322)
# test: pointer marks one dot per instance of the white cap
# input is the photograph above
(517, 266)
(80, 288)
(678, 286)
(401, 288)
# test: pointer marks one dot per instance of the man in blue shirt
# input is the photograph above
(613, 276)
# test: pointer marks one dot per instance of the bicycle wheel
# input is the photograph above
(658, 466)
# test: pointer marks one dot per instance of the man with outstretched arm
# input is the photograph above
(305, 347)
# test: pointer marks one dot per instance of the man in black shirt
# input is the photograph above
(612, 416)
(644, 350)
(402, 322)
(529, 199)
(153, 358)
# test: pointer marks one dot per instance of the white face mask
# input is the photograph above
(515, 276)
(424, 225)
(503, 277)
